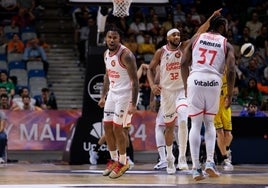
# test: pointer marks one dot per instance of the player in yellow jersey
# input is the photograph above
(223, 125)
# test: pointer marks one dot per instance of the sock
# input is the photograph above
(162, 153)
(114, 155)
(123, 159)
(169, 151)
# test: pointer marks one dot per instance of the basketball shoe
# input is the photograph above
(227, 165)
(119, 170)
(109, 167)
(198, 174)
(182, 164)
(170, 165)
(160, 165)
(210, 169)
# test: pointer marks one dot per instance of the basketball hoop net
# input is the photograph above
(121, 7)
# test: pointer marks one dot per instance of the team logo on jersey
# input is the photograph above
(178, 55)
(167, 56)
(113, 63)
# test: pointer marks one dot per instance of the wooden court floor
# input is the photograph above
(60, 175)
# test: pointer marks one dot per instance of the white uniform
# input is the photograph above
(172, 89)
(204, 82)
(120, 92)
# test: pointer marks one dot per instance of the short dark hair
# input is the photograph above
(3, 95)
(216, 22)
(45, 89)
(253, 103)
(112, 27)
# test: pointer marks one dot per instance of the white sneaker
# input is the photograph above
(130, 162)
(170, 166)
(160, 165)
(2, 161)
(93, 157)
(182, 163)
(198, 174)
(210, 169)
(227, 165)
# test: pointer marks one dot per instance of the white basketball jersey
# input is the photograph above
(209, 51)
(117, 72)
(170, 69)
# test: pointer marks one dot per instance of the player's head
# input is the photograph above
(112, 37)
(218, 24)
(174, 37)
(252, 107)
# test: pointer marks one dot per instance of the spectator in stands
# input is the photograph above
(4, 102)
(17, 101)
(252, 110)
(147, 47)
(137, 27)
(10, 29)
(261, 39)
(47, 100)
(245, 37)
(131, 43)
(9, 85)
(34, 52)
(76, 14)
(252, 70)
(26, 99)
(23, 18)
(168, 23)
(254, 25)
(3, 137)
(15, 45)
(145, 90)
(3, 90)
(87, 36)
(178, 14)
(250, 93)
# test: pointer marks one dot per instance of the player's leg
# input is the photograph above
(182, 133)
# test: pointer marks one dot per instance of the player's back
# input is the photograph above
(208, 54)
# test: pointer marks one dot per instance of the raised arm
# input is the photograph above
(204, 27)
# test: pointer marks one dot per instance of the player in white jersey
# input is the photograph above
(206, 55)
(171, 89)
(119, 99)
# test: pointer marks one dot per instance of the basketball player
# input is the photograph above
(119, 99)
(223, 125)
(171, 89)
(207, 54)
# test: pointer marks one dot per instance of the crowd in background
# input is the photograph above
(23, 58)
(145, 31)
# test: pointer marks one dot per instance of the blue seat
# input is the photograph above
(16, 65)
(3, 57)
(36, 73)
